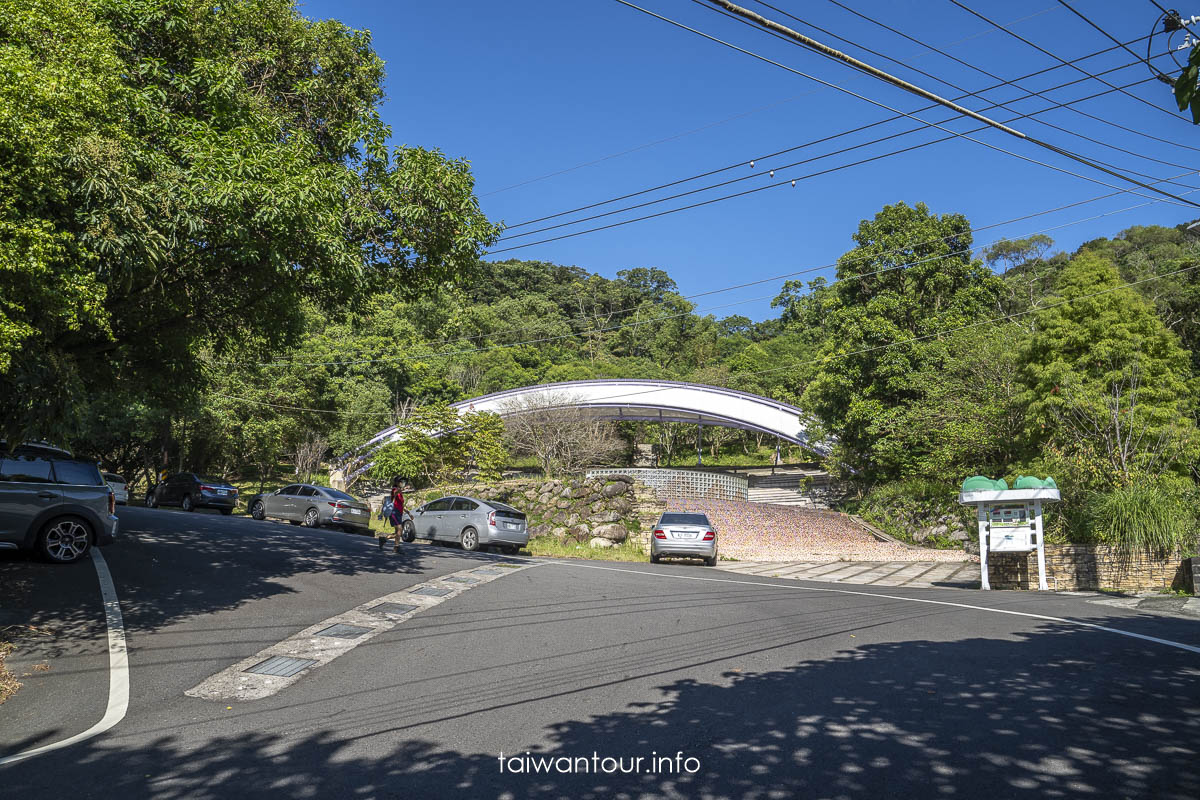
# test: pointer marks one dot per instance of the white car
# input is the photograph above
(117, 484)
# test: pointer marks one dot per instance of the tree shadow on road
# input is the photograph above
(1056, 712)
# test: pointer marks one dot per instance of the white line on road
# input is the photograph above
(1092, 625)
(118, 668)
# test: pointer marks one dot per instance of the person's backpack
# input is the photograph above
(388, 508)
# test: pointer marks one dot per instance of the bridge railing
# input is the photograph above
(685, 483)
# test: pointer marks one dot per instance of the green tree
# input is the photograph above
(1106, 380)
(182, 176)
(909, 281)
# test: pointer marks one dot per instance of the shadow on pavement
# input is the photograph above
(1057, 712)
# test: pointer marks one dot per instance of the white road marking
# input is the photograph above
(234, 683)
(1167, 642)
(118, 668)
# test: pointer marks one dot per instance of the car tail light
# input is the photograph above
(709, 536)
(338, 504)
(112, 502)
(492, 519)
(658, 534)
(204, 488)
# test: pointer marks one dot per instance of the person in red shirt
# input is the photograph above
(396, 496)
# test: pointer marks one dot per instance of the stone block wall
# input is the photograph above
(1078, 567)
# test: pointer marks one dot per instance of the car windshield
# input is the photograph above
(111, 478)
(684, 519)
(336, 495)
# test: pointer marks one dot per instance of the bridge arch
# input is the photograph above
(629, 400)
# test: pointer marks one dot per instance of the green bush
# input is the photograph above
(900, 507)
(1152, 517)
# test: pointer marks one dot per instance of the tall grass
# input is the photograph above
(1144, 517)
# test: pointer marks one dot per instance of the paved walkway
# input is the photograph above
(957, 575)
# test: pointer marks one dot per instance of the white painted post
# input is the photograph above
(1041, 545)
(982, 518)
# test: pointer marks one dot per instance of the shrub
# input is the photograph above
(1152, 517)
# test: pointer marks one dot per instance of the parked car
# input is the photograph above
(53, 503)
(682, 534)
(471, 522)
(117, 484)
(190, 491)
(313, 506)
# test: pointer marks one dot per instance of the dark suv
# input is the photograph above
(190, 491)
(53, 503)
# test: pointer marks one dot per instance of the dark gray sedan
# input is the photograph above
(313, 506)
(471, 522)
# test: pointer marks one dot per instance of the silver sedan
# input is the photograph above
(682, 534)
(313, 506)
(471, 522)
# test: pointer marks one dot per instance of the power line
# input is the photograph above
(573, 334)
(1148, 59)
(742, 163)
(912, 88)
(786, 275)
(865, 350)
(709, 125)
(847, 149)
(1092, 23)
(1043, 50)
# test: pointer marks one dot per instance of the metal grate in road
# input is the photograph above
(431, 591)
(490, 571)
(282, 666)
(343, 631)
(393, 609)
(460, 579)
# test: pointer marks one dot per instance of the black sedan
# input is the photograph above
(190, 491)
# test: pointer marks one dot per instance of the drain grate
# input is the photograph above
(343, 631)
(393, 609)
(431, 591)
(489, 571)
(282, 666)
(460, 579)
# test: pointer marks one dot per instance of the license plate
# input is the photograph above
(512, 526)
(356, 511)
(684, 534)
(222, 491)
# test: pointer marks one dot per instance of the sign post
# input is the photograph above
(1009, 520)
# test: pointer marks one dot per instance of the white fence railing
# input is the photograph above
(685, 483)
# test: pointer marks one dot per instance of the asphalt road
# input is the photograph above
(774, 688)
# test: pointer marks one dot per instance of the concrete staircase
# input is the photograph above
(788, 488)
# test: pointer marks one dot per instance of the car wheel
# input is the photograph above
(408, 532)
(151, 499)
(65, 540)
(470, 540)
(710, 562)
(186, 505)
(653, 559)
(312, 518)
(258, 511)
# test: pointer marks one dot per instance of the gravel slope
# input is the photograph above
(763, 532)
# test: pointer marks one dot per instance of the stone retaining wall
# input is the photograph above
(1074, 567)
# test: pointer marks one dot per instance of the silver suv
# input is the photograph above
(53, 503)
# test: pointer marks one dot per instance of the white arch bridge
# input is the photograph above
(627, 400)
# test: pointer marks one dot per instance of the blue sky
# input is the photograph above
(526, 88)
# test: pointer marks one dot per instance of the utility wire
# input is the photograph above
(662, 318)
(786, 275)
(764, 157)
(1090, 22)
(837, 55)
(709, 125)
(841, 151)
(861, 351)
(1044, 51)
(1148, 60)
